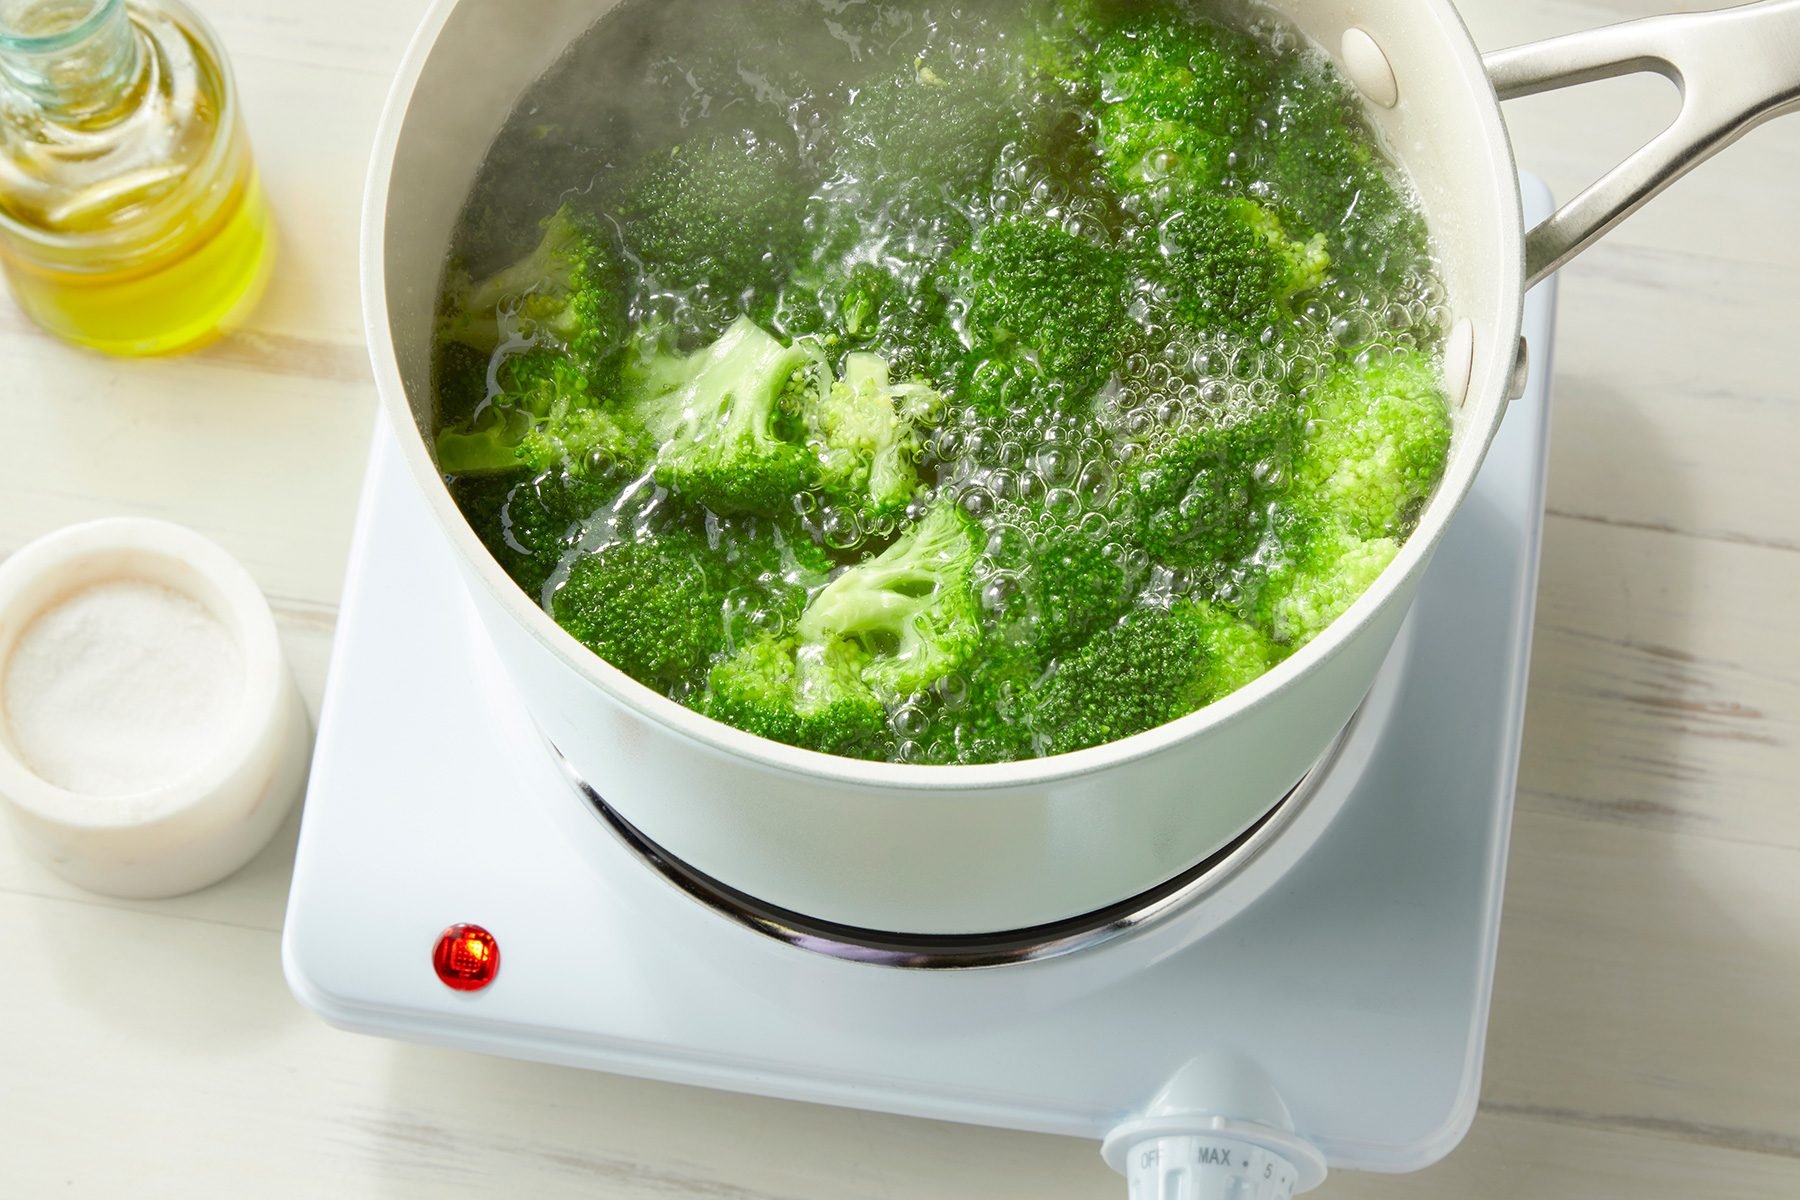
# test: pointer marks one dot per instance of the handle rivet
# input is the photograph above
(1368, 68)
(1521, 372)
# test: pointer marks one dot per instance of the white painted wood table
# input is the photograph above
(1645, 1040)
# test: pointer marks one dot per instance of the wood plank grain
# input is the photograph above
(269, 465)
(1674, 405)
(1665, 684)
(1513, 1157)
(1648, 983)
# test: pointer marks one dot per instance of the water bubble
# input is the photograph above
(1055, 464)
(999, 593)
(1095, 482)
(839, 529)
(1352, 329)
(910, 722)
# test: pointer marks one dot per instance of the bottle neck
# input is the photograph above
(75, 60)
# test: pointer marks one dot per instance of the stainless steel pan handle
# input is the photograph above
(1735, 67)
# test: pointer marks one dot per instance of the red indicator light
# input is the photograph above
(466, 957)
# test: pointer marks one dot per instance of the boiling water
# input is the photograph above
(651, 76)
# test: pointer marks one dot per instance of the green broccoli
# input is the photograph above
(647, 607)
(1037, 298)
(866, 431)
(912, 608)
(1374, 447)
(567, 295)
(1376, 441)
(770, 568)
(662, 608)
(720, 218)
(459, 380)
(1176, 93)
(1316, 571)
(808, 695)
(1229, 262)
(1049, 280)
(916, 144)
(915, 153)
(553, 329)
(882, 631)
(541, 417)
(1314, 149)
(1077, 587)
(891, 308)
(841, 307)
(529, 522)
(712, 415)
(1147, 670)
(585, 441)
(1201, 492)
(983, 716)
(1070, 577)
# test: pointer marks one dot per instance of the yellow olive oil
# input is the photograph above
(131, 217)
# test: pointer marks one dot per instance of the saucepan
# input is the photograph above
(940, 851)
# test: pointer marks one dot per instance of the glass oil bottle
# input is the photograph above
(131, 219)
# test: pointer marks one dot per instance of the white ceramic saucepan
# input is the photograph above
(975, 850)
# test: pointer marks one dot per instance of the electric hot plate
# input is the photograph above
(1343, 967)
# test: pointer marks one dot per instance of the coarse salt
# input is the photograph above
(122, 688)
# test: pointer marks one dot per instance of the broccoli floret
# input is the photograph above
(541, 417)
(914, 156)
(661, 608)
(1031, 291)
(866, 431)
(893, 308)
(915, 145)
(529, 523)
(1077, 587)
(1201, 492)
(585, 441)
(647, 607)
(1145, 671)
(912, 608)
(984, 717)
(1374, 447)
(1067, 582)
(868, 292)
(459, 380)
(1316, 571)
(720, 218)
(552, 326)
(1229, 262)
(568, 294)
(712, 415)
(1175, 94)
(770, 568)
(518, 390)
(882, 631)
(1376, 442)
(804, 694)
(1314, 148)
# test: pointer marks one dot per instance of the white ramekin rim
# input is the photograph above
(62, 563)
